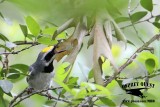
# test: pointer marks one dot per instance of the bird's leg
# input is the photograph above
(30, 90)
(49, 95)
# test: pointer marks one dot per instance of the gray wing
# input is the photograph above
(30, 73)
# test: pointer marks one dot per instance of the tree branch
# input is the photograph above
(132, 23)
(17, 52)
(25, 43)
(130, 60)
(66, 25)
(20, 96)
(139, 22)
(54, 98)
(86, 100)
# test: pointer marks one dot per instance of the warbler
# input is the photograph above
(41, 71)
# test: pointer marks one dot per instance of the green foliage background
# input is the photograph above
(42, 18)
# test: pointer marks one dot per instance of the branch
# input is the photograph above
(142, 77)
(54, 98)
(18, 96)
(139, 22)
(17, 52)
(132, 23)
(135, 7)
(14, 102)
(25, 43)
(130, 60)
(66, 25)
(85, 101)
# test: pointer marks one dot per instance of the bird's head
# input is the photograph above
(47, 55)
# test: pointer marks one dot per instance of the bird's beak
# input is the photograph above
(56, 51)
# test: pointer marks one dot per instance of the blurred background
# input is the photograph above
(55, 13)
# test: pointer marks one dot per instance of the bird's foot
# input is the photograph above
(49, 95)
(30, 90)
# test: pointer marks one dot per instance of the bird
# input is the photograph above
(41, 71)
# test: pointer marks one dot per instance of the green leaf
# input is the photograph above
(65, 64)
(79, 93)
(1, 92)
(157, 18)
(119, 82)
(138, 15)
(49, 31)
(24, 29)
(60, 68)
(128, 41)
(61, 36)
(22, 67)
(4, 38)
(33, 26)
(9, 94)
(156, 24)
(129, 104)
(100, 89)
(2, 46)
(90, 42)
(150, 65)
(90, 75)
(0, 58)
(63, 85)
(112, 8)
(107, 101)
(1, 15)
(49, 102)
(30, 36)
(147, 4)
(6, 85)
(119, 34)
(13, 74)
(143, 56)
(2, 101)
(121, 19)
(47, 41)
(72, 80)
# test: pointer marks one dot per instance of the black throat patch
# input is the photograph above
(49, 68)
(49, 55)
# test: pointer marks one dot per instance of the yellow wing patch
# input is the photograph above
(47, 49)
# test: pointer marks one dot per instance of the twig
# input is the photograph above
(142, 77)
(139, 22)
(21, 98)
(122, 103)
(57, 99)
(132, 23)
(91, 105)
(6, 63)
(18, 96)
(135, 7)
(59, 95)
(16, 52)
(87, 99)
(25, 43)
(63, 27)
(130, 60)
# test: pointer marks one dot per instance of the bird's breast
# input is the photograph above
(41, 81)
